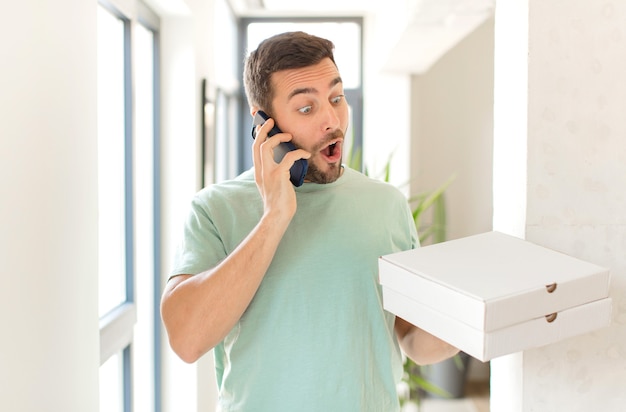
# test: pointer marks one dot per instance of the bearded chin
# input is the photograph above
(315, 175)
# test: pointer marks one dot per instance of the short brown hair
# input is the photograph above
(291, 50)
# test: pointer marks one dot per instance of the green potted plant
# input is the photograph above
(445, 379)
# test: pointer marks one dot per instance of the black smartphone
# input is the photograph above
(299, 168)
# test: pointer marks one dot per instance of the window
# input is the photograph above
(146, 360)
(111, 389)
(128, 187)
(346, 34)
(115, 274)
(111, 161)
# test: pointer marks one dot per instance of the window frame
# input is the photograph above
(117, 326)
(151, 21)
(114, 324)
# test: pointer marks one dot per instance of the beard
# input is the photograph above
(315, 175)
(332, 171)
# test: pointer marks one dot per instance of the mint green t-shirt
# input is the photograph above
(315, 337)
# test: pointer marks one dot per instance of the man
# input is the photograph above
(282, 280)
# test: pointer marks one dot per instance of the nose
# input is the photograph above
(330, 119)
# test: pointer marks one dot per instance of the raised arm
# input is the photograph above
(198, 311)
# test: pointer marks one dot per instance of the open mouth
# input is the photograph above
(332, 152)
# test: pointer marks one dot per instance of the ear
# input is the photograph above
(253, 110)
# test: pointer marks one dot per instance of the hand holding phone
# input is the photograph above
(300, 166)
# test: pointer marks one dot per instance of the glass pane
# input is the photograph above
(112, 284)
(225, 159)
(143, 164)
(112, 384)
(345, 35)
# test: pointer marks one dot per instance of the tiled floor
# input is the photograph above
(476, 400)
(450, 405)
(478, 393)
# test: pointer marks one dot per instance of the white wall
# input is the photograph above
(49, 351)
(386, 97)
(576, 192)
(452, 131)
(577, 187)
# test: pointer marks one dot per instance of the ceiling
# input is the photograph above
(326, 7)
(420, 31)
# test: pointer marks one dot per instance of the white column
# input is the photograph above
(509, 167)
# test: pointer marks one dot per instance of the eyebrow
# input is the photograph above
(307, 90)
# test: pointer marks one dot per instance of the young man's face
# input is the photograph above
(309, 103)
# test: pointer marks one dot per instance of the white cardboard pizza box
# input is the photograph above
(493, 294)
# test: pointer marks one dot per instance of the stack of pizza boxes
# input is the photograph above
(493, 294)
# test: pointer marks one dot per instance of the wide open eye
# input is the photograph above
(337, 99)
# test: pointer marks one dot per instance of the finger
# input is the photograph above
(263, 129)
(270, 145)
(293, 156)
(284, 167)
(277, 139)
(260, 138)
(256, 159)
